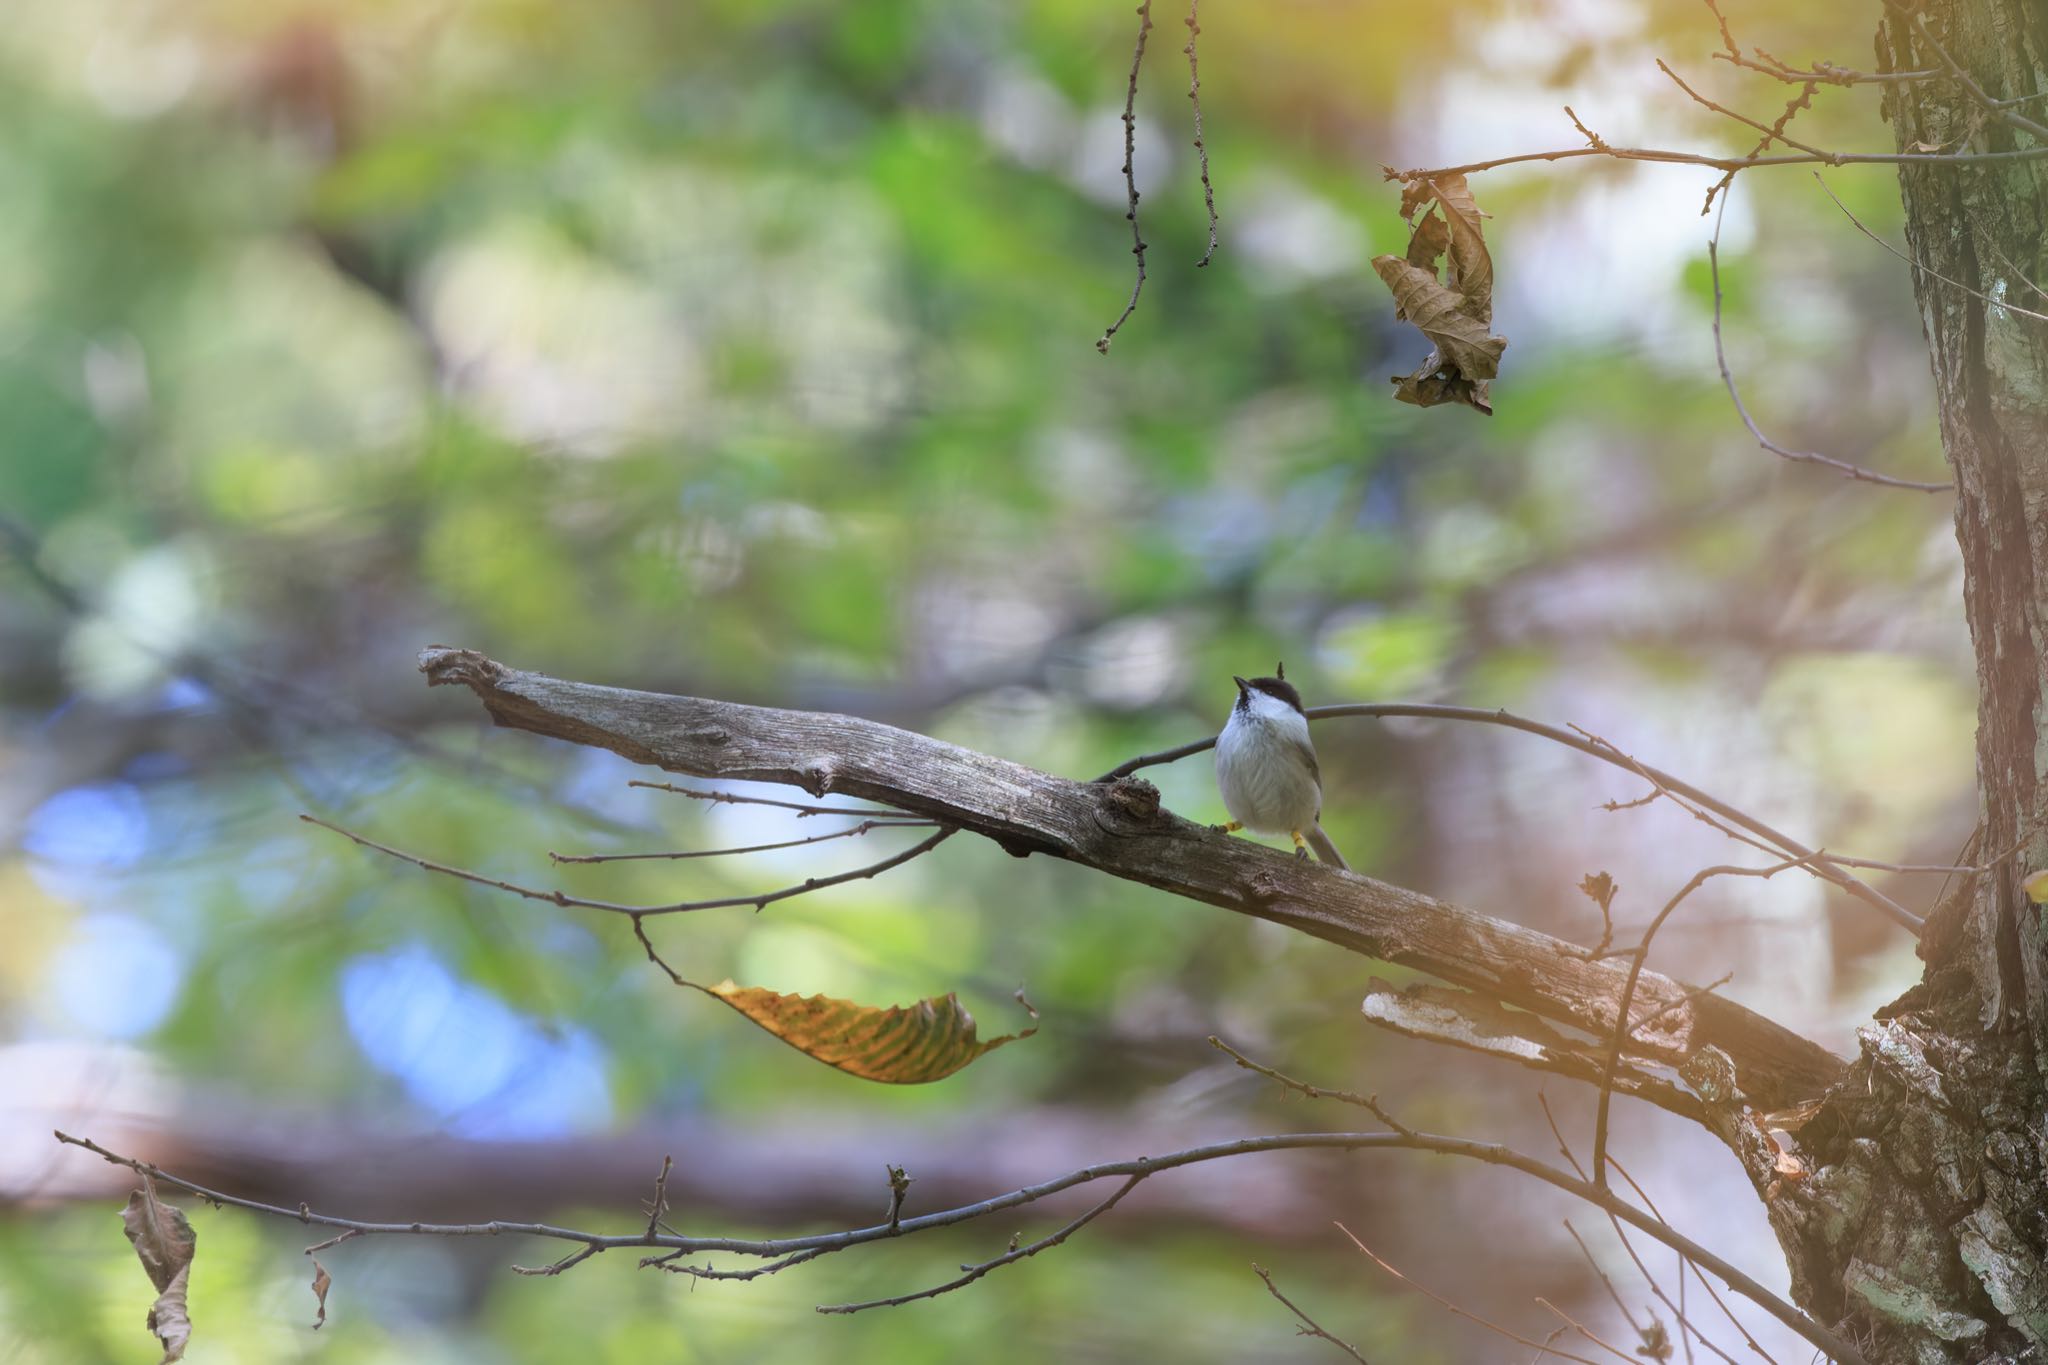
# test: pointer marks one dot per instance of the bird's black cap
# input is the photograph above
(1276, 686)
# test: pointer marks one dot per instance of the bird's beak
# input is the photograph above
(1242, 685)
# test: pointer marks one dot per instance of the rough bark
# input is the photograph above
(1927, 1224)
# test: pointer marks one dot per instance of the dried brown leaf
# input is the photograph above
(1599, 888)
(1470, 268)
(1439, 313)
(1466, 356)
(164, 1242)
(1435, 383)
(321, 1283)
(1456, 311)
(900, 1045)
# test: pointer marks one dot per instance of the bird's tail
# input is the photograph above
(1325, 850)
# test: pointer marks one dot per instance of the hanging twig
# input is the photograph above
(1131, 174)
(1785, 452)
(1194, 24)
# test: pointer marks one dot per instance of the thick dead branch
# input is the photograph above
(1119, 828)
(1462, 1019)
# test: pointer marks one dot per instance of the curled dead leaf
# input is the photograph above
(2036, 887)
(1455, 311)
(1599, 888)
(899, 1045)
(164, 1242)
(322, 1281)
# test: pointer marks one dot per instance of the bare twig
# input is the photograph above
(1309, 1326)
(1748, 1337)
(1464, 1313)
(1688, 1330)
(863, 827)
(1622, 1026)
(1785, 452)
(2002, 110)
(1314, 1092)
(1593, 139)
(658, 1205)
(1605, 1283)
(816, 1244)
(1010, 1257)
(1926, 269)
(1773, 132)
(1194, 24)
(1584, 1331)
(564, 899)
(736, 799)
(1722, 163)
(1826, 72)
(1130, 173)
(2039, 292)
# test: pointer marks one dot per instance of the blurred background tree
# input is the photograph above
(747, 350)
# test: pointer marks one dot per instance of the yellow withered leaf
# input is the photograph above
(900, 1045)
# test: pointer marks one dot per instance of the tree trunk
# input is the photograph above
(1926, 1226)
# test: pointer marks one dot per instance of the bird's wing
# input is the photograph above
(1308, 756)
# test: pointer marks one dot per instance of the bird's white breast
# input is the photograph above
(1266, 783)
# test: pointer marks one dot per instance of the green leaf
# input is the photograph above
(900, 1045)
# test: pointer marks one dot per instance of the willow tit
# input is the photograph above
(1267, 767)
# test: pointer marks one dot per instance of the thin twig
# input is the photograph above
(1464, 1313)
(736, 799)
(1605, 1283)
(1688, 1330)
(1130, 173)
(1010, 1257)
(1773, 132)
(658, 1205)
(1370, 1103)
(1706, 1284)
(1722, 163)
(1194, 24)
(2002, 110)
(862, 828)
(1926, 269)
(1575, 1325)
(1309, 1326)
(1492, 1154)
(1622, 1027)
(562, 898)
(1728, 378)
(2011, 265)
(1897, 913)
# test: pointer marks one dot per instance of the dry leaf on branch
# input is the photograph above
(1599, 888)
(900, 1045)
(164, 1243)
(1454, 310)
(322, 1281)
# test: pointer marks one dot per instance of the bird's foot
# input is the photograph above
(1233, 827)
(1300, 844)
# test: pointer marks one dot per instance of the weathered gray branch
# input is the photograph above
(1119, 828)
